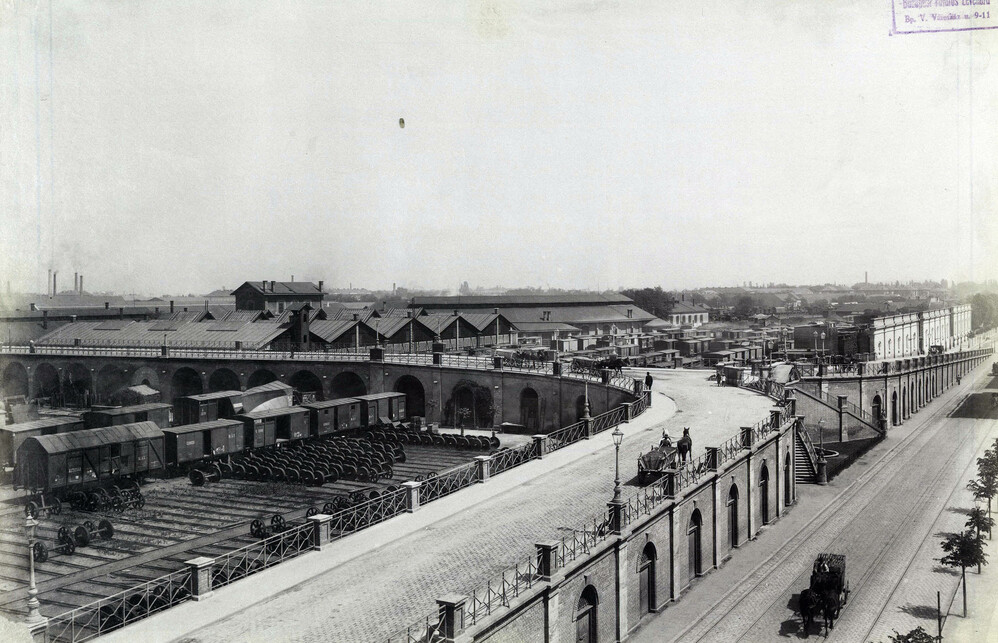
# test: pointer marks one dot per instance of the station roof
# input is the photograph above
(331, 330)
(252, 335)
(501, 301)
(75, 440)
(282, 287)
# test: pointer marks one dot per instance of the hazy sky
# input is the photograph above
(179, 146)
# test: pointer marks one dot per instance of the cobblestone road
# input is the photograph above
(378, 593)
(880, 519)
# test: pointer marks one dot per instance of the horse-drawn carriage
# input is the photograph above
(828, 592)
(653, 464)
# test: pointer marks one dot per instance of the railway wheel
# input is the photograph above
(256, 529)
(55, 506)
(31, 510)
(277, 522)
(197, 477)
(311, 511)
(40, 551)
(106, 529)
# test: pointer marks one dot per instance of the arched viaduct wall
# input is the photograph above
(551, 401)
(913, 383)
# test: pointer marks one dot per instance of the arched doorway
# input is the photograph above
(347, 384)
(877, 409)
(464, 407)
(223, 379)
(788, 487)
(904, 402)
(530, 409)
(646, 579)
(894, 409)
(470, 404)
(109, 380)
(733, 516)
(694, 551)
(186, 381)
(15, 380)
(764, 494)
(260, 377)
(585, 616)
(415, 396)
(307, 383)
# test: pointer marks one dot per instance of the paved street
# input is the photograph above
(886, 513)
(480, 532)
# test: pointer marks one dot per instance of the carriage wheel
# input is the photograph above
(69, 547)
(41, 553)
(106, 529)
(256, 528)
(311, 511)
(64, 534)
(55, 506)
(82, 536)
(277, 522)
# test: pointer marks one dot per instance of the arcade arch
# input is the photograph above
(646, 578)
(260, 377)
(530, 409)
(307, 382)
(223, 379)
(415, 396)
(585, 616)
(186, 381)
(46, 381)
(110, 378)
(15, 380)
(347, 384)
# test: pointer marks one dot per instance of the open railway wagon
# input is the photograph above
(94, 470)
(12, 435)
(159, 412)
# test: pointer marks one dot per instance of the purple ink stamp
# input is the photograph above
(928, 16)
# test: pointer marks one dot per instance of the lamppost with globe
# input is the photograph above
(33, 616)
(618, 437)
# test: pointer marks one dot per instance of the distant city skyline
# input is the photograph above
(170, 147)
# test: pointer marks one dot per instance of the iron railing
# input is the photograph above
(501, 591)
(426, 630)
(566, 435)
(608, 420)
(108, 614)
(252, 558)
(370, 512)
(506, 459)
(448, 482)
(582, 541)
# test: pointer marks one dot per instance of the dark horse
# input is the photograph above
(810, 605)
(685, 446)
(830, 608)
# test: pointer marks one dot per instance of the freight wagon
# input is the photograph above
(332, 416)
(12, 435)
(191, 444)
(264, 428)
(381, 408)
(206, 407)
(158, 412)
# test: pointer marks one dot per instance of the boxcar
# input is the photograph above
(192, 443)
(264, 428)
(158, 412)
(67, 461)
(12, 435)
(381, 408)
(332, 416)
(274, 395)
(207, 407)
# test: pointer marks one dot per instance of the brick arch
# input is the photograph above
(46, 381)
(223, 379)
(415, 394)
(147, 376)
(347, 384)
(15, 380)
(77, 385)
(305, 381)
(186, 381)
(259, 377)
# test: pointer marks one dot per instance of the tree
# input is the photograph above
(980, 521)
(985, 485)
(963, 550)
(744, 306)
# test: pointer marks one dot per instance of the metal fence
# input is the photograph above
(501, 591)
(270, 551)
(370, 512)
(108, 614)
(506, 459)
(448, 482)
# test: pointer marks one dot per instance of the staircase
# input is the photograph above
(805, 460)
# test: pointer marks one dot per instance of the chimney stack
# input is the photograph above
(355, 316)
(107, 305)
(55, 274)
(320, 285)
(48, 286)
(866, 277)
(81, 284)
(121, 312)
(76, 282)
(171, 306)
(45, 319)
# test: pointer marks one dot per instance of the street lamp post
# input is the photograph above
(815, 333)
(618, 437)
(33, 616)
(822, 347)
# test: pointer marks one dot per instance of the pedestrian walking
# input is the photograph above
(648, 380)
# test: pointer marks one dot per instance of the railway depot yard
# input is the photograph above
(178, 522)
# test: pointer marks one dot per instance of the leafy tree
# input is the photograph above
(744, 306)
(985, 485)
(655, 300)
(963, 550)
(984, 310)
(980, 521)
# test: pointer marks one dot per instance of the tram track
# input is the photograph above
(766, 572)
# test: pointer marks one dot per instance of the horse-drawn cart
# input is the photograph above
(828, 592)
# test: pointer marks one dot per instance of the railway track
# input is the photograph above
(178, 522)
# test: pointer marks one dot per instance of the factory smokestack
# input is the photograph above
(55, 274)
(81, 285)
(866, 277)
(48, 286)
(76, 282)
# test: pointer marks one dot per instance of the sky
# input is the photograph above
(173, 147)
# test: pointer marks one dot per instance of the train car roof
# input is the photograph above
(138, 408)
(325, 404)
(215, 395)
(270, 413)
(191, 428)
(378, 396)
(66, 442)
(41, 423)
(269, 386)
